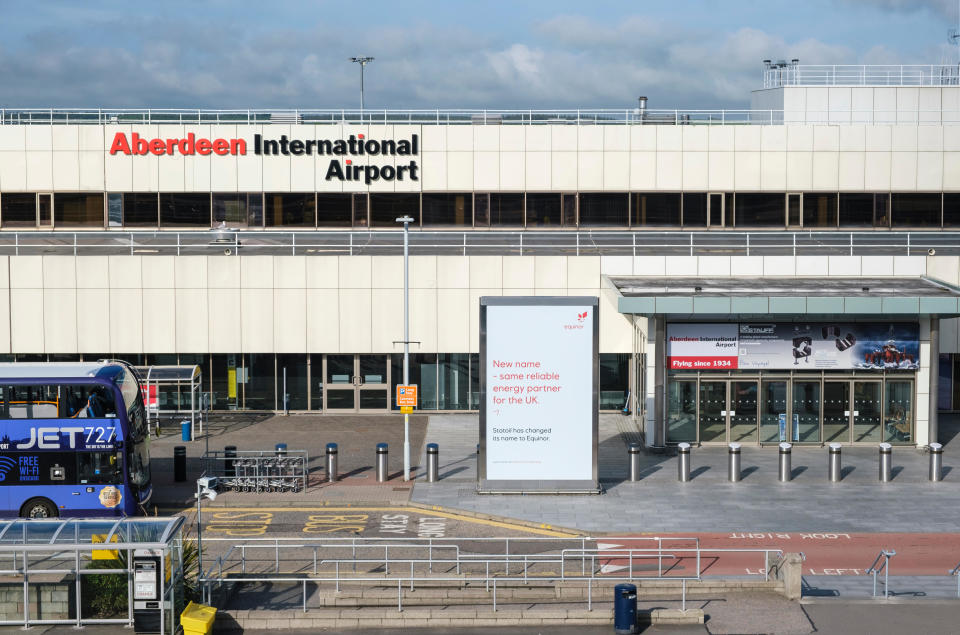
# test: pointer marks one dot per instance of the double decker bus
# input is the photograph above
(73, 440)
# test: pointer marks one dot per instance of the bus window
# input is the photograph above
(31, 402)
(98, 468)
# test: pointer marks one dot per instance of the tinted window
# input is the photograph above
(385, 209)
(506, 210)
(139, 209)
(603, 210)
(951, 210)
(915, 210)
(819, 210)
(856, 210)
(185, 209)
(78, 209)
(759, 210)
(19, 210)
(290, 210)
(656, 210)
(448, 210)
(695, 210)
(544, 210)
(334, 210)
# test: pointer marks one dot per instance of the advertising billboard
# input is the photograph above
(538, 394)
(786, 346)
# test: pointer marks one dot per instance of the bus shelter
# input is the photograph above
(173, 391)
(126, 571)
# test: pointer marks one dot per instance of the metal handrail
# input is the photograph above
(885, 568)
(773, 78)
(427, 241)
(776, 76)
(956, 573)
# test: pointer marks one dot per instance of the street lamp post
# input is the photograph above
(362, 61)
(406, 220)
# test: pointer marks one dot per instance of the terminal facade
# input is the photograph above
(264, 247)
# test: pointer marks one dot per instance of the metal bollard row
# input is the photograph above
(433, 462)
(633, 451)
(382, 452)
(332, 462)
(834, 464)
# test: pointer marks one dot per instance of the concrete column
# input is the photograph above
(932, 423)
(659, 382)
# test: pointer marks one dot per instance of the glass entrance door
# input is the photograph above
(836, 412)
(867, 408)
(356, 383)
(712, 420)
(742, 411)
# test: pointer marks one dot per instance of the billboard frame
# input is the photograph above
(544, 486)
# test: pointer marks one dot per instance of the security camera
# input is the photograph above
(227, 252)
(931, 252)
(207, 482)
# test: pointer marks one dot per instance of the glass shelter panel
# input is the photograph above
(836, 412)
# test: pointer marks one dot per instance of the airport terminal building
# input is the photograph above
(788, 272)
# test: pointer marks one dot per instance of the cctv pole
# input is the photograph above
(362, 61)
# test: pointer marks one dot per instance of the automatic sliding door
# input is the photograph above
(773, 404)
(743, 411)
(806, 410)
(340, 390)
(372, 382)
(836, 412)
(713, 411)
(867, 412)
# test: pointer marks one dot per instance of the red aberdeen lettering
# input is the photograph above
(186, 146)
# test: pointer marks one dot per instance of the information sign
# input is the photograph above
(539, 394)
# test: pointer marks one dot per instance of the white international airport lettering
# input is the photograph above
(354, 145)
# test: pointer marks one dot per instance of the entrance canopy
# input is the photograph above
(805, 298)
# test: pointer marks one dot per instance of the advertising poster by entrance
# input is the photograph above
(794, 346)
(538, 394)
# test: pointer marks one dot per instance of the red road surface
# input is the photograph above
(826, 553)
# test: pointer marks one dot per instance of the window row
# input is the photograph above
(481, 210)
(332, 382)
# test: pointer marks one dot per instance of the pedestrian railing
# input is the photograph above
(407, 562)
(955, 572)
(882, 565)
(569, 242)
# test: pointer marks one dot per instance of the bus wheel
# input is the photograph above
(38, 508)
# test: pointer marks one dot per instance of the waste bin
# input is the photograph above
(625, 609)
(197, 619)
(185, 432)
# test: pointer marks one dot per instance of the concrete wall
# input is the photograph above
(862, 104)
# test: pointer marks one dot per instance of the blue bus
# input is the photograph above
(73, 441)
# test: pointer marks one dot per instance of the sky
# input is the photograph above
(443, 54)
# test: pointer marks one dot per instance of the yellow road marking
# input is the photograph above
(542, 530)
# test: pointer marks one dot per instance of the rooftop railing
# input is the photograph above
(776, 76)
(626, 116)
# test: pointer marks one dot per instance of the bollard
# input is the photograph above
(834, 465)
(683, 462)
(733, 463)
(180, 463)
(786, 469)
(433, 462)
(886, 460)
(936, 462)
(382, 450)
(332, 463)
(229, 458)
(280, 450)
(633, 453)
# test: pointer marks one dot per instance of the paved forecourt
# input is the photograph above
(709, 502)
